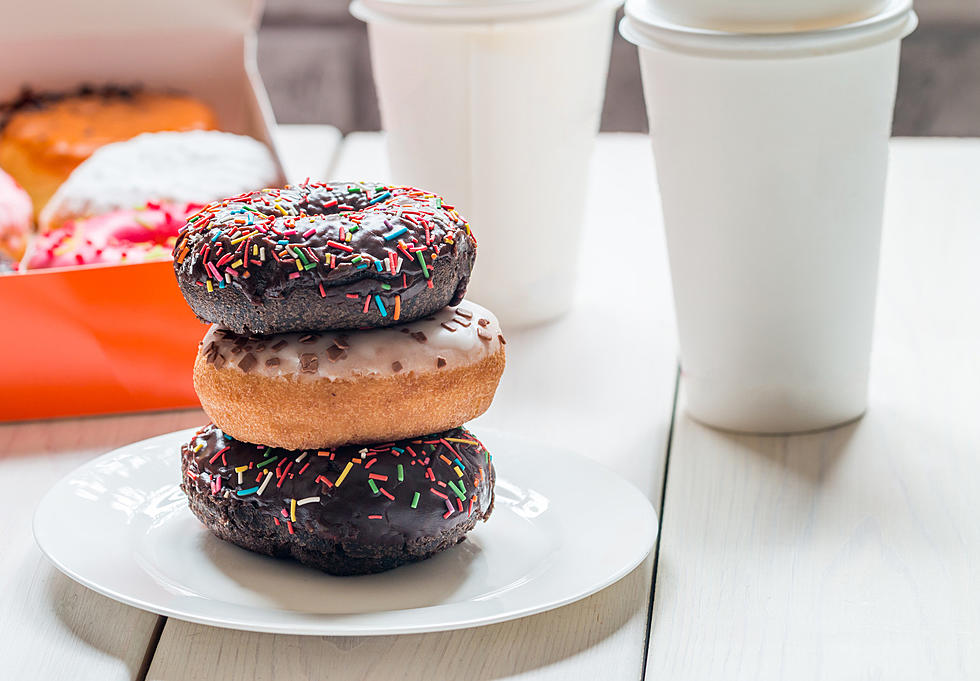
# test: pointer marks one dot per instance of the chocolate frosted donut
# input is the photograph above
(323, 256)
(323, 389)
(352, 510)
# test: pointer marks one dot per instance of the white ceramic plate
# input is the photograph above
(563, 527)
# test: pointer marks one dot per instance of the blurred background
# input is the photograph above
(314, 59)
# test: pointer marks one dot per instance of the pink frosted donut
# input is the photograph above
(122, 236)
(16, 217)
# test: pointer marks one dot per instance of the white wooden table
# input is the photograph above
(851, 553)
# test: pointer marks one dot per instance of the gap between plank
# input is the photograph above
(300, 20)
(660, 524)
(151, 648)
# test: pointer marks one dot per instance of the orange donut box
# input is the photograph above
(107, 339)
(96, 340)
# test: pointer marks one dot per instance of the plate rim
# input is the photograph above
(320, 624)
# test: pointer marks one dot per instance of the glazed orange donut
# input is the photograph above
(331, 388)
(16, 217)
(44, 138)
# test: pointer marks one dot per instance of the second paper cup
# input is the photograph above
(500, 118)
(771, 158)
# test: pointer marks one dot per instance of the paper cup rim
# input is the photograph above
(480, 11)
(643, 28)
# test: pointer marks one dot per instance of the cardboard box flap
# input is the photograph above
(52, 18)
(205, 48)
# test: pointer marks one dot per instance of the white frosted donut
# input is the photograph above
(198, 166)
(326, 389)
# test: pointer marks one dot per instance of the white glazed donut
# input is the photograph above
(198, 166)
(326, 389)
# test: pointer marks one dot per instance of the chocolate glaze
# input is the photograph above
(357, 245)
(339, 506)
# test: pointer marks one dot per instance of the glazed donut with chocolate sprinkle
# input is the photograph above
(351, 510)
(325, 389)
(323, 256)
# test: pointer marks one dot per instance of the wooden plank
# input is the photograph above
(51, 627)
(602, 634)
(599, 381)
(850, 553)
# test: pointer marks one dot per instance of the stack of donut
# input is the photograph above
(340, 367)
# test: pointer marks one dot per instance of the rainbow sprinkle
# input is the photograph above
(388, 475)
(221, 243)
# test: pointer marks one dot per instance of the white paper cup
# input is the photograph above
(765, 16)
(496, 109)
(771, 158)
